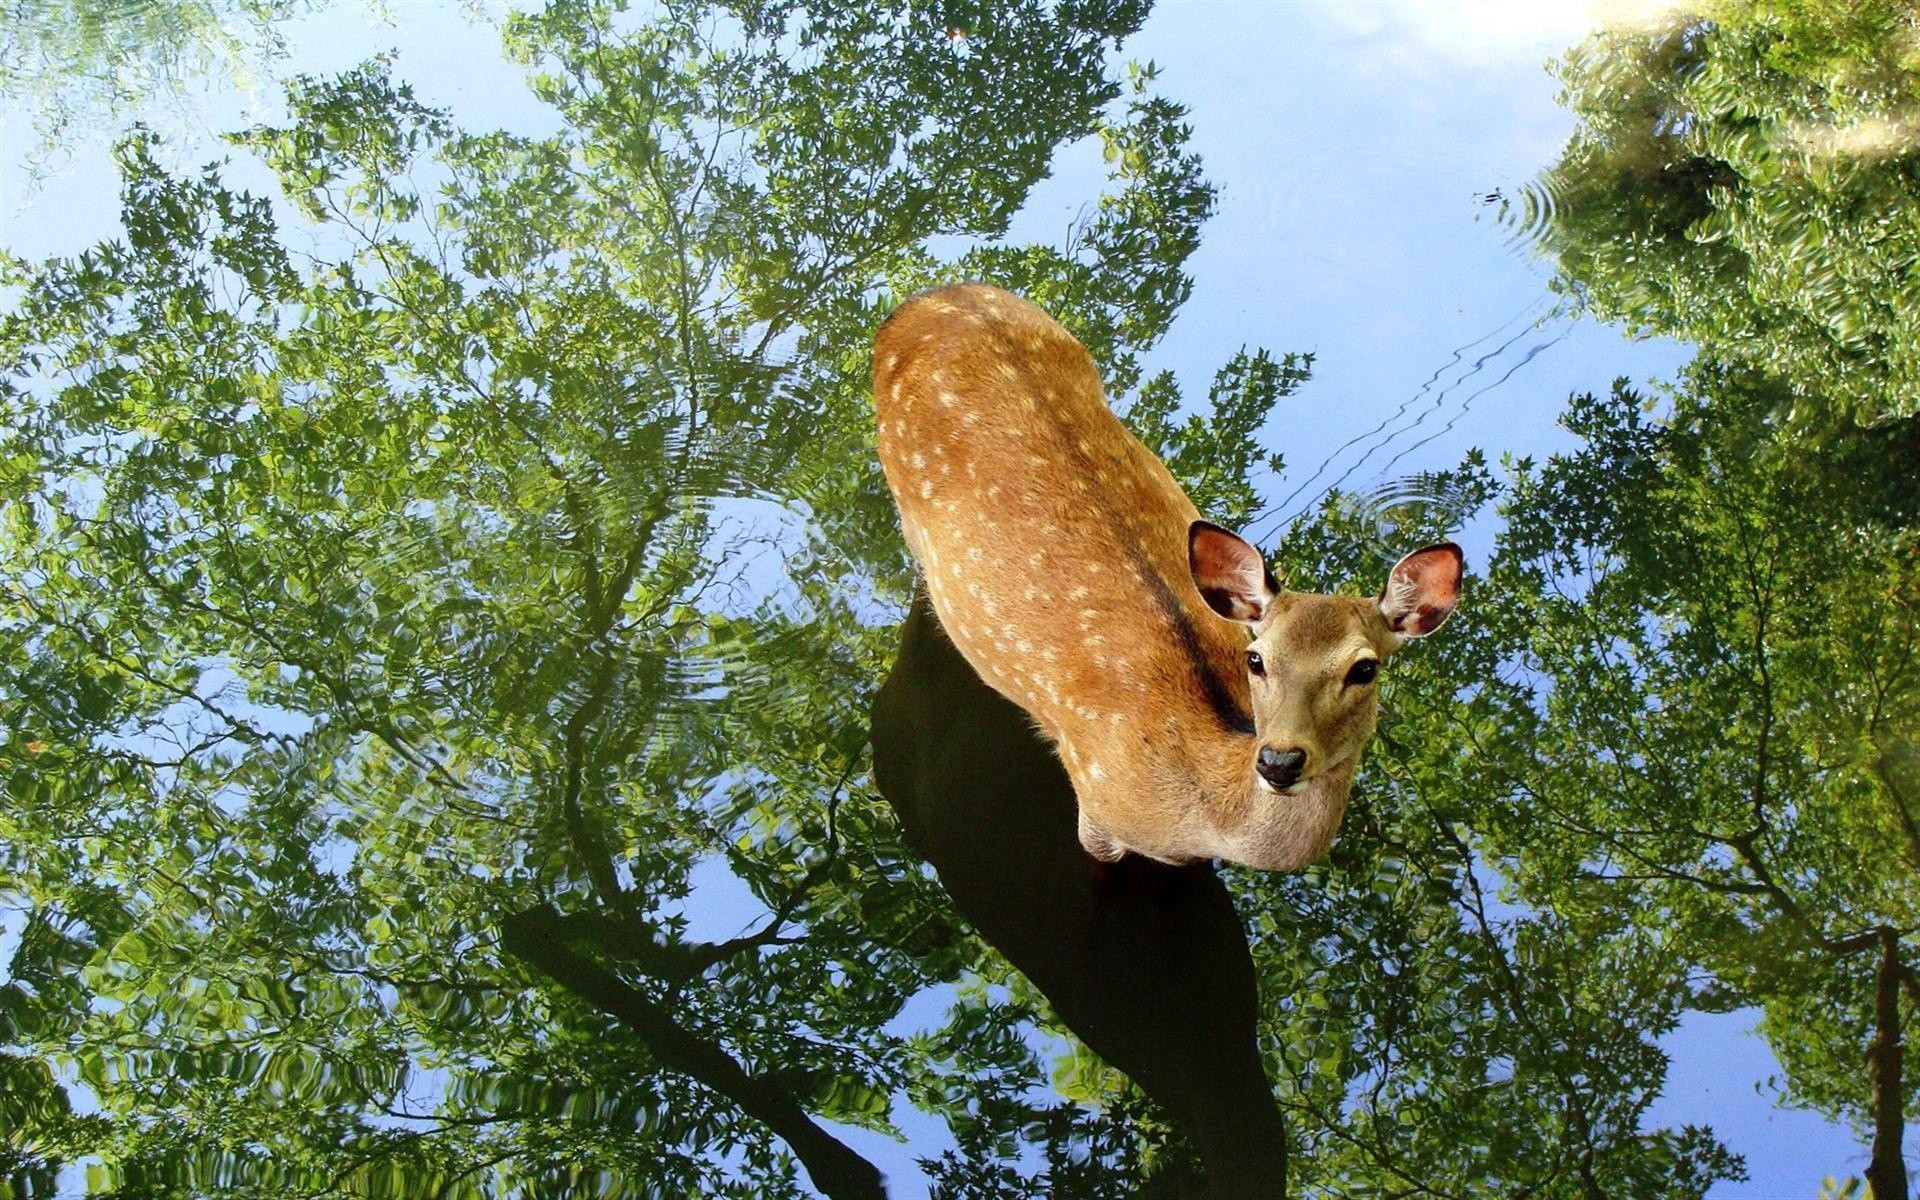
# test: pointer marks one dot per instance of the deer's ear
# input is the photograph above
(1422, 590)
(1229, 572)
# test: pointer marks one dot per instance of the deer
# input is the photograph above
(1201, 710)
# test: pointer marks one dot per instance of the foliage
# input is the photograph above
(404, 650)
(1744, 178)
(407, 650)
(1701, 752)
(1720, 604)
(78, 61)
(1215, 455)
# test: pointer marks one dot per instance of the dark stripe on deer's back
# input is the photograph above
(1212, 689)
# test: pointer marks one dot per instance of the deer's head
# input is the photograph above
(1313, 665)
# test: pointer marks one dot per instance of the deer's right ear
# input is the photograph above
(1229, 572)
(1422, 590)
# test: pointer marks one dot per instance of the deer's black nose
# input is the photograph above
(1281, 768)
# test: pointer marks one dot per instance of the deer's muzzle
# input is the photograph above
(1281, 768)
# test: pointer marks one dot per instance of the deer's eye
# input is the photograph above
(1255, 663)
(1363, 671)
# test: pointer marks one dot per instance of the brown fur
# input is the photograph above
(1055, 548)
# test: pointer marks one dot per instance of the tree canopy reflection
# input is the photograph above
(395, 637)
(427, 590)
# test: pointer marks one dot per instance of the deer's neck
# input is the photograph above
(1255, 824)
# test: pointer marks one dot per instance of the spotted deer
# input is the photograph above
(1072, 572)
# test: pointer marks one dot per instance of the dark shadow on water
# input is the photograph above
(1147, 963)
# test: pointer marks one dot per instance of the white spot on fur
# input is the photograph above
(948, 399)
(926, 488)
(919, 460)
(1095, 771)
(975, 554)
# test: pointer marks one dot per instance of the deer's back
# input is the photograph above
(1053, 542)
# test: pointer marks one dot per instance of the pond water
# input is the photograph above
(450, 581)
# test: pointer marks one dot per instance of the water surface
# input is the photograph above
(448, 578)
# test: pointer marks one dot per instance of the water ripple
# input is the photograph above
(1409, 510)
(1527, 212)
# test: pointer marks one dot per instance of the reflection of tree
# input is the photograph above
(76, 60)
(392, 642)
(1708, 760)
(400, 649)
(1745, 180)
(1724, 602)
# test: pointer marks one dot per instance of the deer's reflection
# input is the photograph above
(1147, 963)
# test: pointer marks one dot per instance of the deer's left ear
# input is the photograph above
(1422, 590)
(1229, 572)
